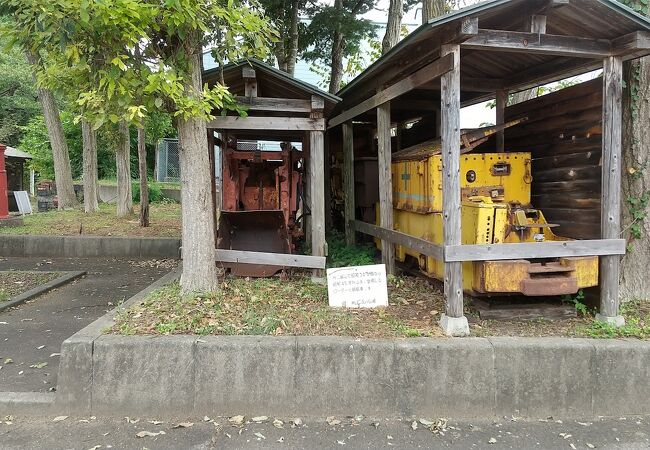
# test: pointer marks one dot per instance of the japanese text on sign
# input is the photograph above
(357, 287)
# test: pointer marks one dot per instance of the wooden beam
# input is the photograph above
(451, 205)
(422, 76)
(275, 259)
(250, 81)
(398, 238)
(630, 43)
(467, 29)
(274, 104)
(562, 249)
(317, 181)
(384, 160)
(267, 123)
(348, 182)
(611, 182)
(501, 103)
(535, 43)
(537, 24)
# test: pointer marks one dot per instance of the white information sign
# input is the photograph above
(357, 287)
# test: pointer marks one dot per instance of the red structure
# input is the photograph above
(4, 200)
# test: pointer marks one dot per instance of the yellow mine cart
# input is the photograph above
(495, 190)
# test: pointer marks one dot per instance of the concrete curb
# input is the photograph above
(26, 403)
(172, 376)
(42, 289)
(89, 246)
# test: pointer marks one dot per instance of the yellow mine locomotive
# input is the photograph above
(495, 191)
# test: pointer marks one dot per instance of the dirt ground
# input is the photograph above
(296, 306)
(165, 222)
(14, 283)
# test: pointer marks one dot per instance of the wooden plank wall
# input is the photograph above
(564, 135)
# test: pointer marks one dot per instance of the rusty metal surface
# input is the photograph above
(469, 139)
(258, 231)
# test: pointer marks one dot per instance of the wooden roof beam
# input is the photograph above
(274, 104)
(631, 43)
(427, 73)
(537, 43)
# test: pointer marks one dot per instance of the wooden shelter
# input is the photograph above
(479, 53)
(279, 108)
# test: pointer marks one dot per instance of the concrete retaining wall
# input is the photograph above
(320, 376)
(89, 246)
(108, 193)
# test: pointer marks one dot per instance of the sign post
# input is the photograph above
(4, 200)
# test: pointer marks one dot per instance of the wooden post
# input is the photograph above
(250, 82)
(453, 321)
(213, 182)
(317, 181)
(538, 24)
(348, 181)
(611, 190)
(329, 220)
(384, 160)
(501, 103)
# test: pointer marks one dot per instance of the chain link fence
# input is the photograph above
(167, 161)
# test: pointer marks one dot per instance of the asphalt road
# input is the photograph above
(365, 433)
(31, 334)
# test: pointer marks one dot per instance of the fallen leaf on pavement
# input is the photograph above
(183, 425)
(260, 436)
(59, 418)
(155, 422)
(297, 422)
(129, 420)
(260, 419)
(277, 423)
(39, 365)
(142, 434)
(333, 421)
(95, 447)
(414, 425)
(236, 420)
(8, 361)
(492, 441)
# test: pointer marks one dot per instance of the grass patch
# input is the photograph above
(637, 323)
(14, 283)
(165, 221)
(271, 306)
(340, 255)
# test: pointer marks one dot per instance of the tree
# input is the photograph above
(335, 33)
(393, 25)
(18, 101)
(90, 177)
(123, 164)
(635, 283)
(62, 171)
(144, 188)
(432, 9)
(165, 76)
(285, 16)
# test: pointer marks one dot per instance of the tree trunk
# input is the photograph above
(144, 186)
(292, 55)
(199, 267)
(635, 282)
(432, 9)
(336, 74)
(123, 163)
(91, 190)
(394, 25)
(60, 155)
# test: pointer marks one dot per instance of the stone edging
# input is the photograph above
(172, 376)
(89, 246)
(66, 277)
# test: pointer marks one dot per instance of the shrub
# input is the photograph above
(155, 192)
